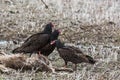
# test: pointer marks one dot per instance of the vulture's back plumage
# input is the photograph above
(72, 54)
(35, 42)
(48, 49)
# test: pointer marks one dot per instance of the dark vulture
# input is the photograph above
(50, 46)
(72, 54)
(35, 42)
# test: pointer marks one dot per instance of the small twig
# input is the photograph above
(46, 6)
(2, 53)
(63, 69)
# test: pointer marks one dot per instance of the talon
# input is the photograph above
(64, 66)
(39, 53)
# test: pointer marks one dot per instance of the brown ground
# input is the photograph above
(91, 25)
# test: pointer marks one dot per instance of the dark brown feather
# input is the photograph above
(73, 54)
(35, 42)
(48, 49)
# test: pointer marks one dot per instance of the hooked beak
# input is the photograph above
(52, 42)
(52, 25)
(59, 31)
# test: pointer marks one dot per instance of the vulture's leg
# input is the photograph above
(39, 53)
(65, 64)
(30, 54)
(75, 68)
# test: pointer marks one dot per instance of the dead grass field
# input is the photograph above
(91, 25)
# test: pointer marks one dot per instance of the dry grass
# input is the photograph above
(92, 25)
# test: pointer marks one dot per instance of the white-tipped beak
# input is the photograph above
(52, 42)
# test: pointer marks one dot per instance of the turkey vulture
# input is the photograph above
(35, 42)
(72, 54)
(50, 46)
